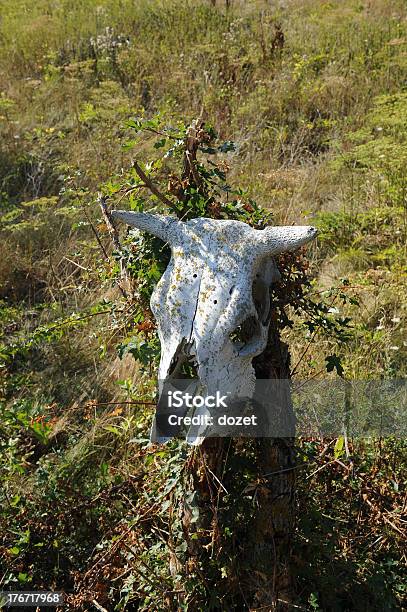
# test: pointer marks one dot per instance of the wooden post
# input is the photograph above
(258, 574)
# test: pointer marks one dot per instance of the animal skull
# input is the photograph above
(212, 304)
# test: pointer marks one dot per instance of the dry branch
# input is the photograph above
(151, 185)
(116, 243)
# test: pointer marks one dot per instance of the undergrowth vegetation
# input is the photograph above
(309, 101)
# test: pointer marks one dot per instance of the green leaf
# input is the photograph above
(15, 501)
(339, 446)
(129, 144)
(160, 143)
(135, 124)
(333, 362)
(112, 429)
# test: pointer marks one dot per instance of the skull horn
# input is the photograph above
(274, 240)
(165, 228)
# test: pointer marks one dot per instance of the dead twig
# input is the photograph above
(109, 221)
(116, 243)
(130, 190)
(191, 148)
(100, 243)
(75, 263)
(384, 517)
(191, 158)
(98, 606)
(150, 185)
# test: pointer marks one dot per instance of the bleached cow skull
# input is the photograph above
(212, 304)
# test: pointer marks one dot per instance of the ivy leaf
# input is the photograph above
(333, 362)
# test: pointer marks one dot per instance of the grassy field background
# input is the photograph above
(314, 95)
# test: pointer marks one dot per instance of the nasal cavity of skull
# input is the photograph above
(189, 370)
(261, 299)
(183, 363)
(245, 332)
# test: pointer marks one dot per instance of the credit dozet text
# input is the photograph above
(206, 420)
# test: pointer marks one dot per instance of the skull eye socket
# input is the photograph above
(245, 331)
